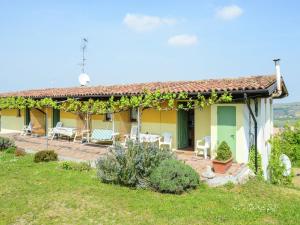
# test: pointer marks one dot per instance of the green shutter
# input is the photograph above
(182, 129)
(55, 117)
(27, 116)
(227, 126)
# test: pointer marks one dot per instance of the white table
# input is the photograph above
(64, 131)
(149, 137)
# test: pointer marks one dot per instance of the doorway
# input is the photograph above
(55, 117)
(27, 116)
(227, 126)
(185, 130)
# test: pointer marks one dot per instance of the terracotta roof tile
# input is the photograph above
(202, 86)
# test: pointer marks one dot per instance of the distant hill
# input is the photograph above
(286, 113)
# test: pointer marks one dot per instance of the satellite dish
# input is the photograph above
(84, 79)
(286, 162)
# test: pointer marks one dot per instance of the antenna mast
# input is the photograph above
(84, 42)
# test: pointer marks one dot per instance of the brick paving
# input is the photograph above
(200, 164)
(82, 152)
(63, 148)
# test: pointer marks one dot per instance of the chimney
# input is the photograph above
(278, 75)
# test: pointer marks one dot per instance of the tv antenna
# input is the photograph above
(84, 42)
(83, 78)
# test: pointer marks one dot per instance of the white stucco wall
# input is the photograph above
(245, 130)
(264, 119)
(265, 130)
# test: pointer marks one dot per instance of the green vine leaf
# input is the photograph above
(157, 100)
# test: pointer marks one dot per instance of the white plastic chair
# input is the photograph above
(166, 139)
(27, 129)
(55, 130)
(133, 134)
(202, 146)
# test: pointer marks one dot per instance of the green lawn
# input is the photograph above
(296, 179)
(43, 193)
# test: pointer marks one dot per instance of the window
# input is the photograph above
(133, 114)
(108, 117)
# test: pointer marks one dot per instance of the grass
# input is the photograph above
(43, 193)
(296, 179)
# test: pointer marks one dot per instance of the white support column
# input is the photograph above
(46, 128)
(113, 121)
(113, 126)
(87, 128)
(139, 123)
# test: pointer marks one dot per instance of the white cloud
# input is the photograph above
(143, 23)
(183, 40)
(229, 12)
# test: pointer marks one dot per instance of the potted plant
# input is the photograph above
(223, 161)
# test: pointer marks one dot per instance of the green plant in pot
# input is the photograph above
(223, 161)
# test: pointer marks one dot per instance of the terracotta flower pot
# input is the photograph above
(221, 166)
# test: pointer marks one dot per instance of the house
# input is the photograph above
(247, 118)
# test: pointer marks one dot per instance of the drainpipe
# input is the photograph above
(255, 129)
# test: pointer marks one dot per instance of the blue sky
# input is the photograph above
(140, 41)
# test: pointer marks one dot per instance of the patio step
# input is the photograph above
(241, 177)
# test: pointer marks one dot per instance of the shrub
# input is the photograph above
(20, 152)
(223, 152)
(276, 168)
(289, 142)
(45, 156)
(82, 166)
(132, 166)
(251, 163)
(10, 150)
(5, 143)
(16, 151)
(173, 176)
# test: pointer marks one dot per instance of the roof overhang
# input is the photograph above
(254, 87)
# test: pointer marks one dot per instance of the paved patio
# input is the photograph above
(64, 148)
(200, 164)
(67, 150)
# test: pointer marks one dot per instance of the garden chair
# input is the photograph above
(27, 129)
(82, 136)
(102, 135)
(55, 130)
(202, 146)
(133, 134)
(166, 139)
